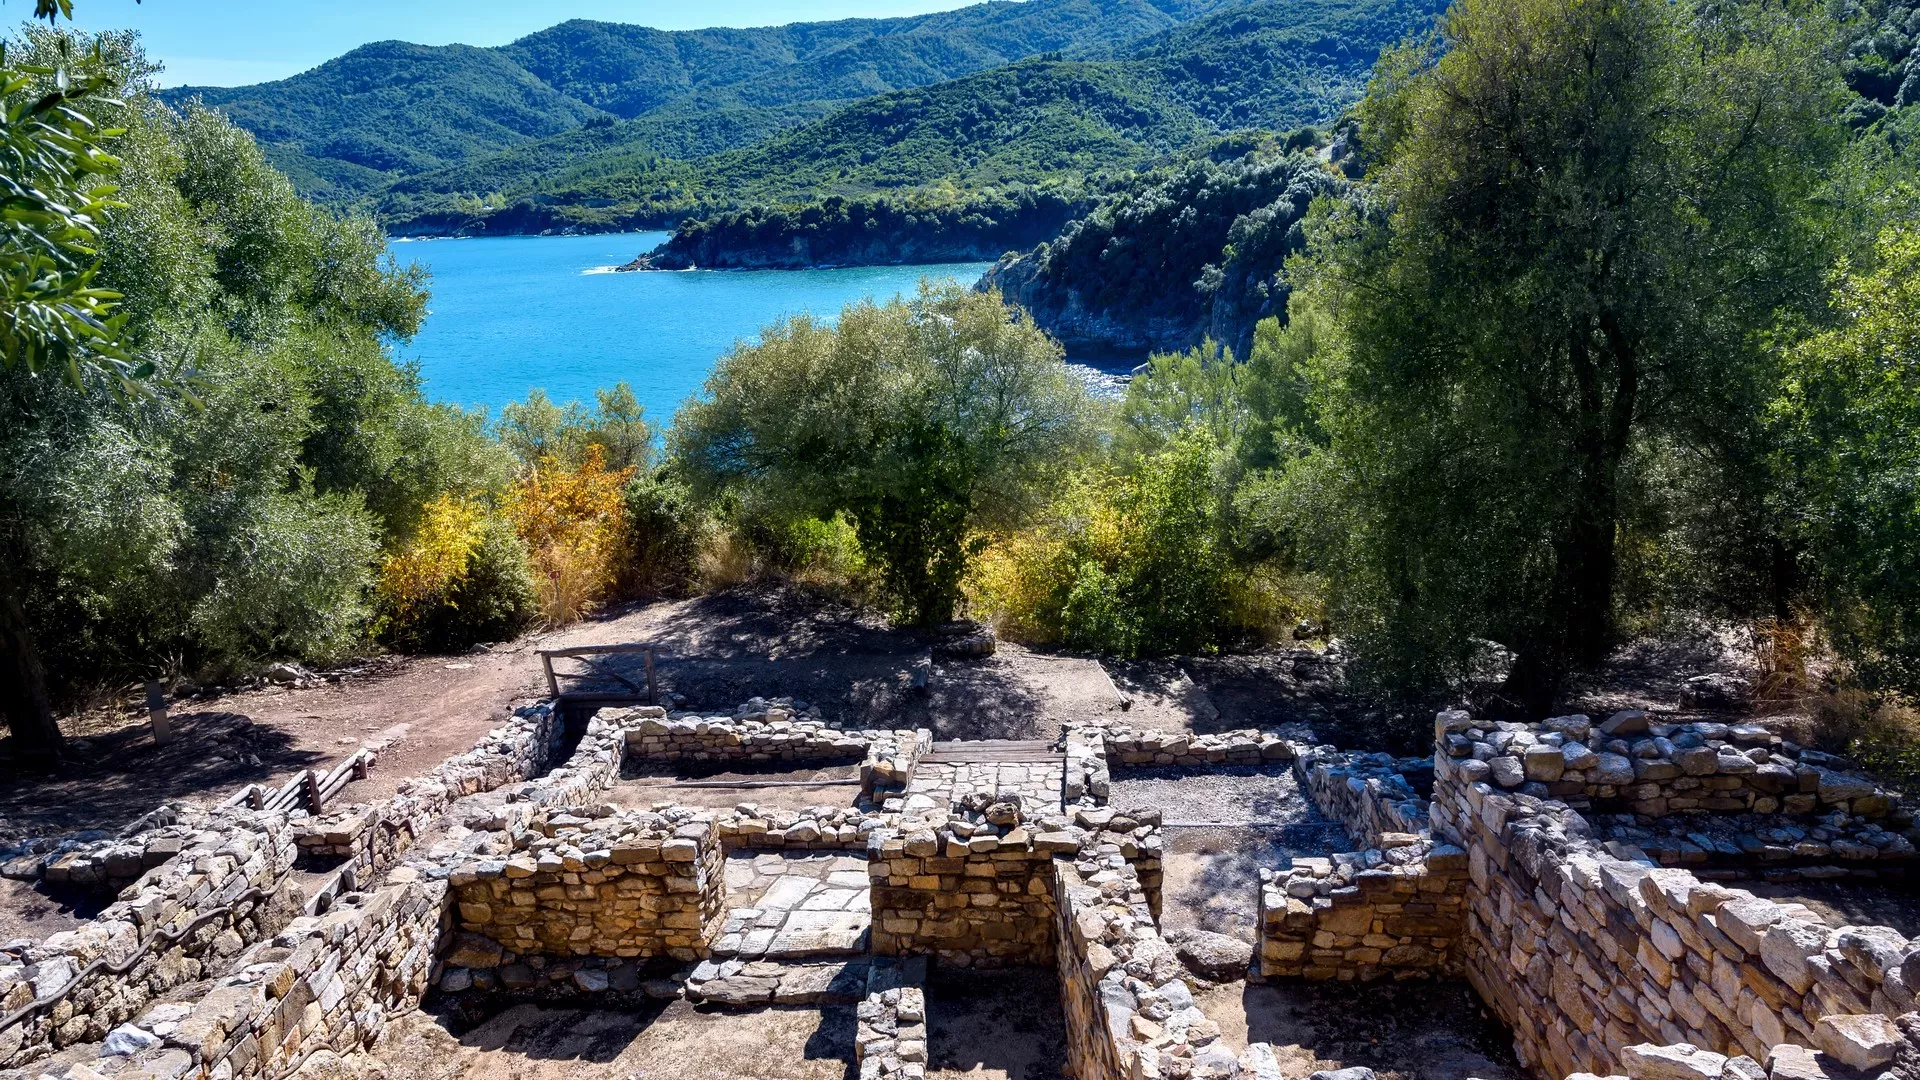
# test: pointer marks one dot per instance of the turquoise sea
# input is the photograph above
(510, 314)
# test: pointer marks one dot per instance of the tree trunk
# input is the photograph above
(1578, 626)
(23, 682)
(1588, 557)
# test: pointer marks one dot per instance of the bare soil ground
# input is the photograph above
(30, 911)
(767, 641)
(675, 1041)
(764, 640)
(1850, 903)
(1402, 1031)
(994, 1025)
(1223, 827)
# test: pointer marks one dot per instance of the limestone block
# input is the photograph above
(1864, 1042)
(1681, 1061)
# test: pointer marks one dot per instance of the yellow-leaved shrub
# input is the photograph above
(572, 520)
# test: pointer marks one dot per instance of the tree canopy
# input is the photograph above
(921, 419)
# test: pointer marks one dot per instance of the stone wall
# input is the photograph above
(179, 922)
(1397, 911)
(979, 897)
(628, 884)
(1583, 953)
(891, 1037)
(326, 981)
(366, 838)
(1628, 763)
(1129, 1012)
(814, 828)
(1372, 795)
(763, 733)
(1088, 780)
(1126, 746)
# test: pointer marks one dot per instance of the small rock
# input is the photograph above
(1681, 1061)
(592, 980)
(1507, 771)
(126, 1040)
(1714, 691)
(1215, 957)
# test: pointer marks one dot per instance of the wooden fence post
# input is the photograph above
(157, 713)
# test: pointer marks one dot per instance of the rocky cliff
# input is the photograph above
(1159, 268)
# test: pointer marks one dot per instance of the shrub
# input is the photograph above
(496, 599)
(663, 528)
(463, 578)
(1266, 601)
(294, 582)
(1125, 565)
(572, 519)
(826, 554)
(1879, 730)
(924, 421)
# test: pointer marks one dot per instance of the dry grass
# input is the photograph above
(1784, 653)
(726, 560)
(1880, 731)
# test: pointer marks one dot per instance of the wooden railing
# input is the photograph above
(647, 649)
(307, 790)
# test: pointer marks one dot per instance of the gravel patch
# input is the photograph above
(1257, 817)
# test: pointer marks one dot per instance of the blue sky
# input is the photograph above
(233, 42)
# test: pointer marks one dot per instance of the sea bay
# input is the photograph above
(511, 314)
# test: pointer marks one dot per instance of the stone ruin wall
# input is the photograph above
(629, 885)
(328, 981)
(223, 887)
(1338, 918)
(1129, 1011)
(1584, 953)
(365, 839)
(1599, 961)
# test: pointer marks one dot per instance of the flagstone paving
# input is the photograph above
(787, 905)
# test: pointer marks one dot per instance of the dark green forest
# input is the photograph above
(392, 109)
(604, 126)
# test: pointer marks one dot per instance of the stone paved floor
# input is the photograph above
(935, 786)
(785, 905)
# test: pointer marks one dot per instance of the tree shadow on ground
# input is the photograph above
(997, 1023)
(777, 641)
(550, 1034)
(834, 1039)
(1409, 1030)
(112, 779)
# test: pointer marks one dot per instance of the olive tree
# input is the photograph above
(1581, 218)
(922, 419)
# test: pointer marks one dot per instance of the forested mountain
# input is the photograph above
(1036, 124)
(1039, 123)
(393, 109)
(602, 125)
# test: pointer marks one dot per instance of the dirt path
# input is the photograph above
(671, 1042)
(418, 711)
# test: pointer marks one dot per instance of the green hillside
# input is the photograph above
(1033, 124)
(1278, 65)
(1046, 124)
(392, 110)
